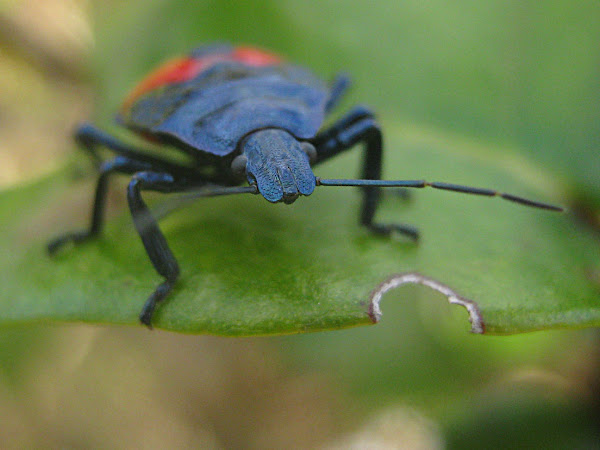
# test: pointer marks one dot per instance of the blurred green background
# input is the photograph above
(523, 75)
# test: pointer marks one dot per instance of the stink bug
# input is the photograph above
(238, 113)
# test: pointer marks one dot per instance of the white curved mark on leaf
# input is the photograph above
(477, 325)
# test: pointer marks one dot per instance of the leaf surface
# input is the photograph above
(250, 267)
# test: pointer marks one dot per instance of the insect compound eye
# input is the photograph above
(310, 150)
(238, 165)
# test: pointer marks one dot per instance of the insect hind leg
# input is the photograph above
(89, 137)
(339, 87)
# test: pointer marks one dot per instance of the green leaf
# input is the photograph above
(250, 267)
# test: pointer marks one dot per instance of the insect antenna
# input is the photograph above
(165, 208)
(439, 185)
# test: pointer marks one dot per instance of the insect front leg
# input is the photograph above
(154, 241)
(360, 126)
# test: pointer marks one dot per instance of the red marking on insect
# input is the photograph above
(254, 57)
(183, 69)
(174, 71)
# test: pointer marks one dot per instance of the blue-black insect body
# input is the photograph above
(241, 114)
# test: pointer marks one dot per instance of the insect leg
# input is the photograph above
(326, 141)
(120, 164)
(90, 137)
(154, 241)
(360, 126)
(339, 86)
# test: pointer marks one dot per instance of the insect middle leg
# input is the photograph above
(129, 161)
(120, 164)
(360, 126)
